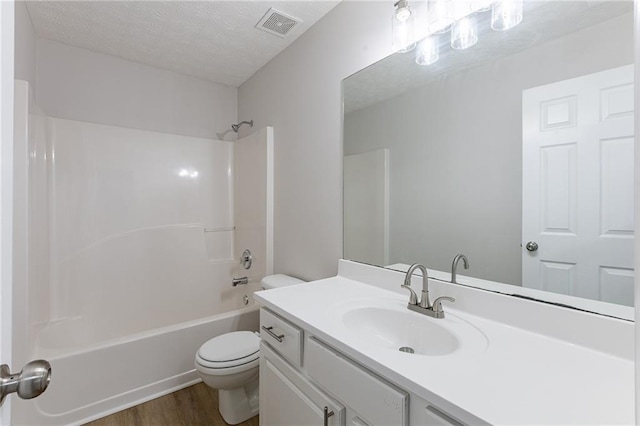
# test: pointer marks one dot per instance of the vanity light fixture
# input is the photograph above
(464, 33)
(440, 16)
(461, 18)
(428, 51)
(403, 27)
(506, 14)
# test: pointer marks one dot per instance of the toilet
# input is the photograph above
(230, 364)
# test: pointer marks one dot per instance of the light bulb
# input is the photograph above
(403, 27)
(506, 14)
(428, 51)
(403, 13)
(464, 33)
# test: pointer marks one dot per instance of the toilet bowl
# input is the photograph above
(230, 363)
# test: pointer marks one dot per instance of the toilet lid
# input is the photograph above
(238, 346)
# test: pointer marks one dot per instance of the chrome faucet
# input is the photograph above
(423, 306)
(424, 299)
(454, 266)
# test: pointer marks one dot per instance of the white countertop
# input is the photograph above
(518, 377)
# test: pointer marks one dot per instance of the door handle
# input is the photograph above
(532, 246)
(29, 383)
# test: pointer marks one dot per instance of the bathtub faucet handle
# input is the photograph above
(238, 281)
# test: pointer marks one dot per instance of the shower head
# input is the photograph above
(236, 127)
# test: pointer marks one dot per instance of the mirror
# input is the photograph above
(517, 152)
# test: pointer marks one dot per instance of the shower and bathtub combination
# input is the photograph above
(134, 238)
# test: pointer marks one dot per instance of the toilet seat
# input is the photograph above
(230, 353)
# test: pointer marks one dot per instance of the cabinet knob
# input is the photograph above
(327, 414)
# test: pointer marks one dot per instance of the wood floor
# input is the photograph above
(192, 406)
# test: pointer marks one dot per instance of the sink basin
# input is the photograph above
(393, 329)
(387, 325)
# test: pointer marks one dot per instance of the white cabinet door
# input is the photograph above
(382, 404)
(288, 399)
(578, 193)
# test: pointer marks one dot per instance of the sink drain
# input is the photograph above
(407, 349)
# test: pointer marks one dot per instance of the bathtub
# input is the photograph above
(99, 380)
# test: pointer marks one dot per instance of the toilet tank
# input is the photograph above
(278, 280)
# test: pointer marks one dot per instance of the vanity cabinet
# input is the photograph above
(301, 377)
(288, 398)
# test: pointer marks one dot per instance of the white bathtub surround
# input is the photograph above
(132, 245)
(128, 214)
(253, 200)
(545, 365)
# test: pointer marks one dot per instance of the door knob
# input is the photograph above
(532, 246)
(29, 383)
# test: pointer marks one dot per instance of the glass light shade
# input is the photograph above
(403, 28)
(440, 15)
(464, 33)
(506, 14)
(428, 51)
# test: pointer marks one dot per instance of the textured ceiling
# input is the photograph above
(212, 40)
(543, 21)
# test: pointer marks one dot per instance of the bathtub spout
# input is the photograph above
(238, 281)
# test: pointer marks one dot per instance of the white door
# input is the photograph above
(6, 189)
(578, 177)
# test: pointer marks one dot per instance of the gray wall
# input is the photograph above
(79, 84)
(299, 93)
(456, 151)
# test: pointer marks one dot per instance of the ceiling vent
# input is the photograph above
(277, 23)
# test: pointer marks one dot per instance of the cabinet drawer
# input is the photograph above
(283, 336)
(381, 404)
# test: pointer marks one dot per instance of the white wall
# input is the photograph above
(299, 93)
(455, 151)
(25, 45)
(78, 84)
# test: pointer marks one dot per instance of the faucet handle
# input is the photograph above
(437, 304)
(413, 298)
